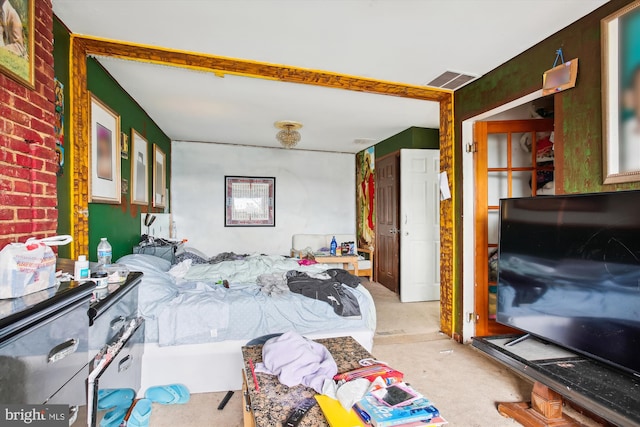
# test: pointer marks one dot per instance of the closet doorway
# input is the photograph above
(512, 158)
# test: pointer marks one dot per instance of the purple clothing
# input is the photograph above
(297, 360)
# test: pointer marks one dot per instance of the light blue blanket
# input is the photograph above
(196, 309)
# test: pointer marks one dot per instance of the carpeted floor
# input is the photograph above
(463, 383)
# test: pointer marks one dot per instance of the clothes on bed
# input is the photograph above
(227, 256)
(344, 277)
(199, 258)
(331, 291)
(272, 284)
(178, 271)
(297, 360)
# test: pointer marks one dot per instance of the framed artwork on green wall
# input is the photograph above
(17, 40)
(104, 154)
(139, 169)
(621, 94)
(159, 178)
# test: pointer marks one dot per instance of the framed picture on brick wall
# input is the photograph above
(17, 40)
(104, 155)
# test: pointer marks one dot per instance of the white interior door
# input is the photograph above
(419, 225)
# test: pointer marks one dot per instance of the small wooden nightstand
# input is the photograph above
(345, 260)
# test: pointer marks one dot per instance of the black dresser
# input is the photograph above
(61, 345)
(44, 344)
(116, 343)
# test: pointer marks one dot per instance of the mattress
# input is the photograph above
(197, 309)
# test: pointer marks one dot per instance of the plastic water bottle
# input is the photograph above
(104, 252)
(334, 246)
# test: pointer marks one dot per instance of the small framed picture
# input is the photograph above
(124, 146)
(104, 155)
(139, 169)
(159, 178)
(250, 201)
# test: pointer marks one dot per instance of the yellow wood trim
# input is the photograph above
(72, 164)
(81, 46)
(448, 258)
(80, 133)
(242, 67)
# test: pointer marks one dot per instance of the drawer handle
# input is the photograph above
(73, 413)
(118, 322)
(125, 363)
(61, 351)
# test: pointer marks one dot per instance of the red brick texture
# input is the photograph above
(28, 199)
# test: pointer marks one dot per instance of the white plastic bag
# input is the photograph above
(28, 267)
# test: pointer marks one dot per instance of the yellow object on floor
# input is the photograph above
(335, 414)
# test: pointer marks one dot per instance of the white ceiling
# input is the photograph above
(407, 41)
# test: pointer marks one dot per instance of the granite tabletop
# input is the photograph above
(274, 401)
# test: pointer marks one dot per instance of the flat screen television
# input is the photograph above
(569, 272)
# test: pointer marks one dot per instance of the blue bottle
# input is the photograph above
(334, 247)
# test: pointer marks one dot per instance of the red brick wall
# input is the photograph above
(28, 204)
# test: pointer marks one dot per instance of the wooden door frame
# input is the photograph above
(481, 131)
(81, 46)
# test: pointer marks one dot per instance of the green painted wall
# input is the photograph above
(578, 111)
(119, 223)
(61, 69)
(414, 137)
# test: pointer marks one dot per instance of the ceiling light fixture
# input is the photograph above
(289, 135)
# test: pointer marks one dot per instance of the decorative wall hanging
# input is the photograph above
(124, 146)
(560, 77)
(621, 94)
(139, 169)
(365, 166)
(16, 40)
(104, 156)
(159, 178)
(58, 125)
(250, 201)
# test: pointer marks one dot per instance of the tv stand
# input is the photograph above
(558, 374)
(544, 410)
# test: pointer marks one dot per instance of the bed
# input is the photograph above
(195, 326)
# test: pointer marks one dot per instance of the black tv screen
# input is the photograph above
(569, 272)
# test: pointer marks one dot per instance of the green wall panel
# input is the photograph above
(578, 111)
(120, 223)
(61, 69)
(414, 137)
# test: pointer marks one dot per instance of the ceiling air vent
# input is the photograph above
(451, 80)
